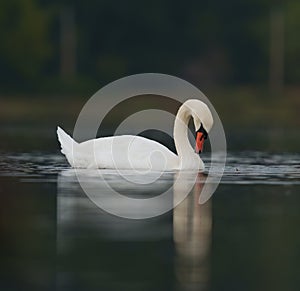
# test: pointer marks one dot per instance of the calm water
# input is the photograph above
(246, 237)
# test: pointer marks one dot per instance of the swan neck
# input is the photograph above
(182, 144)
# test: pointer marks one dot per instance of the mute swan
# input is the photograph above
(136, 152)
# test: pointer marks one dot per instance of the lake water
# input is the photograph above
(246, 237)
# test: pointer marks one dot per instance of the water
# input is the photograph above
(246, 237)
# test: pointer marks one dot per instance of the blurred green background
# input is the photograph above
(244, 55)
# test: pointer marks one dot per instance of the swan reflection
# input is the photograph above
(187, 229)
(192, 224)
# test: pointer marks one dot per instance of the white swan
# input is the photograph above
(135, 152)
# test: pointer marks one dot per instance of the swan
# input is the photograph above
(136, 152)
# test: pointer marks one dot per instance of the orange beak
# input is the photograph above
(199, 142)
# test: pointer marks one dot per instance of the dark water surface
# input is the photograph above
(246, 237)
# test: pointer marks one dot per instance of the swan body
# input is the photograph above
(136, 152)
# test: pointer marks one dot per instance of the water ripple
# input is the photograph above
(241, 168)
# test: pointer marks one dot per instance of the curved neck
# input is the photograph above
(184, 149)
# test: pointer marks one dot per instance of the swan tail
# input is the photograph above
(67, 143)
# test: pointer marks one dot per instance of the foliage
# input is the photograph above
(24, 46)
(211, 42)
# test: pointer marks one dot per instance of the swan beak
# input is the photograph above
(199, 142)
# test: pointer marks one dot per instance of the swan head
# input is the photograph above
(203, 121)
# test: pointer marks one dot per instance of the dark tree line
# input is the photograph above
(215, 42)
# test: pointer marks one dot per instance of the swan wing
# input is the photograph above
(117, 152)
(128, 152)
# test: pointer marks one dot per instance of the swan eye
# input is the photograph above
(202, 130)
(200, 137)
